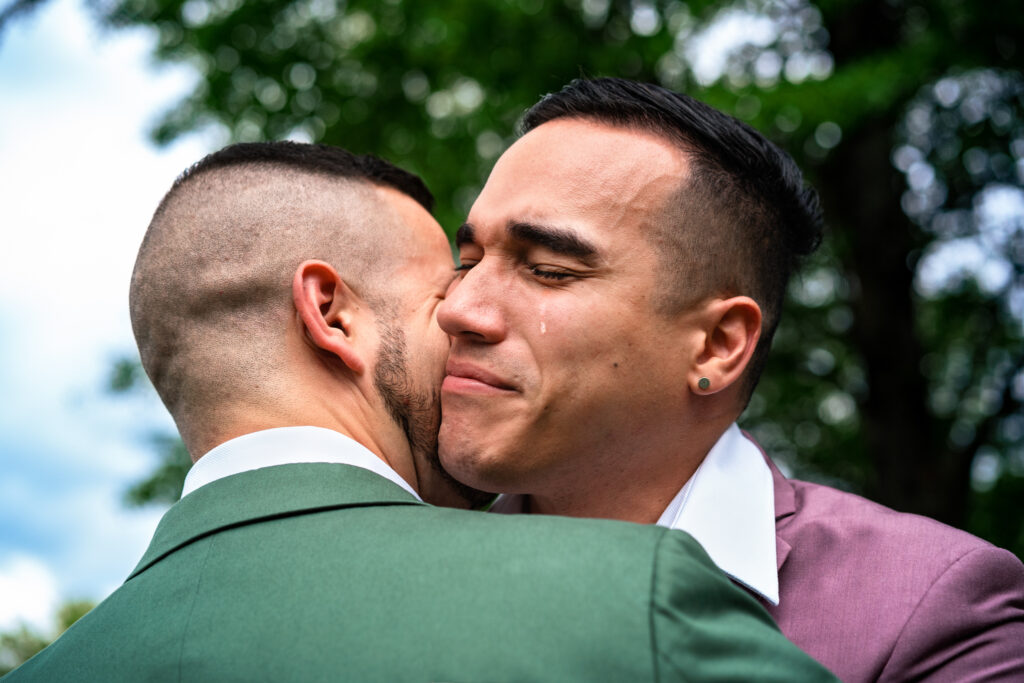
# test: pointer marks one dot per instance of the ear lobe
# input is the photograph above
(328, 308)
(732, 333)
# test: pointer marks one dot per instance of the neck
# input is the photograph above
(638, 491)
(638, 500)
(343, 411)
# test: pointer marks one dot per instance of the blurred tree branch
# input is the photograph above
(18, 646)
(16, 9)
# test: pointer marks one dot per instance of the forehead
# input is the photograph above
(583, 174)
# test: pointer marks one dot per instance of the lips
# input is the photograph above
(468, 378)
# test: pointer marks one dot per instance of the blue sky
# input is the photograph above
(80, 181)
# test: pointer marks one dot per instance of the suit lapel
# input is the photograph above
(785, 506)
(264, 494)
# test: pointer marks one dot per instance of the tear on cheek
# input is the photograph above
(543, 327)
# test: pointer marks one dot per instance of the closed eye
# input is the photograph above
(549, 274)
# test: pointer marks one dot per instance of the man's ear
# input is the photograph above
(732, 330)
(330, 311)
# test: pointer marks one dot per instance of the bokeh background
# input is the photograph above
(898, 372)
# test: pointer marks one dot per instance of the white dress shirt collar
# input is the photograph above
(284, 446)
(728, 505)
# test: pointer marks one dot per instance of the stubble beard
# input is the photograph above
(416, 410)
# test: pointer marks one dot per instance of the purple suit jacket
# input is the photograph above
(878, 595)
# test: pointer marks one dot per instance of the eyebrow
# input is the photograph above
(558, 240)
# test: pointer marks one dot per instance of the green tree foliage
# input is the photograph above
(163, 485)
(18, 646)
(897, 371)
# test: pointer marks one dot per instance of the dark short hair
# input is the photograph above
(317, 159)
(743, 219)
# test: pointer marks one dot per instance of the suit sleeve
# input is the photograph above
(705, 628)
(969, 626)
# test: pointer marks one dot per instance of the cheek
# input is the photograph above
(577, 345)
(441, 340)
(542, 318)
(433, 329)
(432, 351)
(555, 332)
(595, 367)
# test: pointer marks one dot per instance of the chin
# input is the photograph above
(459, 464)
(483, 471)
(466, 463)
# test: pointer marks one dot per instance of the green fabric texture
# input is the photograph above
(329, 572)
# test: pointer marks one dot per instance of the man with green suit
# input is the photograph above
(284, 305)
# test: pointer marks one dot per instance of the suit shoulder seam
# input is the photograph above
(652, 608)
(192, 607)
(927, 592)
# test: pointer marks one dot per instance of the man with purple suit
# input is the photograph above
(875, 594)
(622, 274)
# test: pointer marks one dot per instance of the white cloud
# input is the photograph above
(80, 183)
(80, 179)
(29, 591)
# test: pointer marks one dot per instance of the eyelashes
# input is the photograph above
(537, 271)
(549, 274)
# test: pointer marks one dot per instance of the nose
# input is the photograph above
(473, 308)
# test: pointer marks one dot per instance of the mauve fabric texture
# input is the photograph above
(879, 595)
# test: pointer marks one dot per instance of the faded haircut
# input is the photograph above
(210, 295)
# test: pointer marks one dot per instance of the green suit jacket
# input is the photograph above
(330, 572)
